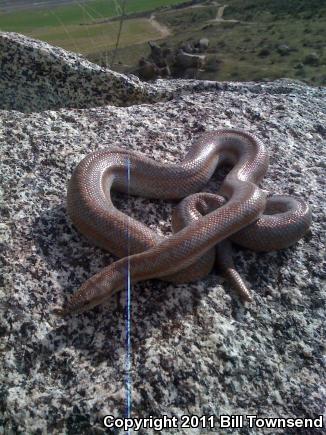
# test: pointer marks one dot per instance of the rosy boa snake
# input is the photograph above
(203, 223)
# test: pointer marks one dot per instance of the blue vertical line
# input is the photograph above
(128, 315)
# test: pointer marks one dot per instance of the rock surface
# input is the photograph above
(195, 349)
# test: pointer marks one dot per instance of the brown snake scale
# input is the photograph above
(203, 223)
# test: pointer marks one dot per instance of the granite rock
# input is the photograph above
(195, 348)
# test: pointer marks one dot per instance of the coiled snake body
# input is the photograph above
(203, 223)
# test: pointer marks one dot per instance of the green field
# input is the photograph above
(30, 20)
(75, 27)
(92, 39)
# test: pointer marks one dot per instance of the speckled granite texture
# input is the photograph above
(195, 348)
(36, 76)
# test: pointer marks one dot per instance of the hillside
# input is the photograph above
(253, 40)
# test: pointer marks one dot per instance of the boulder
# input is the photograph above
(187, 47)
(203, 44)
(35, 87)
(195, 348)
(147, 70)
(156, 52)
(283, 49)
(186, 60)
(212, 63)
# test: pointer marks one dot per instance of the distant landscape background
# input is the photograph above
(14, 5)
(237, 40)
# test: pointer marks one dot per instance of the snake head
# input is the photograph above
(75, 307)
(96, 290)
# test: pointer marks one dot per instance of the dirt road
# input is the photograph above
(164, 30)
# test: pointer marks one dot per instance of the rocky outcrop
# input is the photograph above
(185, 61)
(39, 76)
(195, 349)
